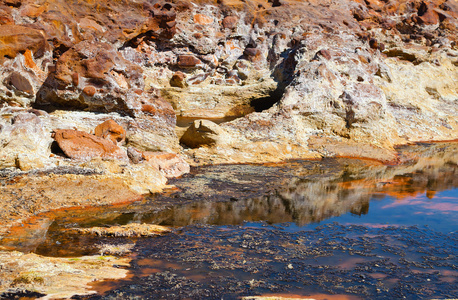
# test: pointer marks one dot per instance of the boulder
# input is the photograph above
(84, 146)
(24, 142)
(204, 133)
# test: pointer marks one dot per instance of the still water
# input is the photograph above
(329, 229)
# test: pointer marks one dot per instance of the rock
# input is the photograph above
(18, 82)
(178, 80)
(204, 133)
(202, 19)
(110, 81)
(83, 146)
(112, 131)
(134, 155)
(24, 142)
(88, 90)
(50, 276)
(15, 39)
(188, 61)
(169, 164)
(230, 22)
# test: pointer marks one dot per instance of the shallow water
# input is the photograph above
(337, 227)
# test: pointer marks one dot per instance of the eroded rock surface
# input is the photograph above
(305, 79)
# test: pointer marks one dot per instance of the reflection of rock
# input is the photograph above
(130, 230)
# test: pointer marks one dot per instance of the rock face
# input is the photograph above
(302, 79)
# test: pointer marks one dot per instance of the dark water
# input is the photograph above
(335, 229)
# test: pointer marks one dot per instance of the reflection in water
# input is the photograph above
(302, 192)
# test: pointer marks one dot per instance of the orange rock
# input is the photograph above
(170, 164)
(89, 90)
(81, 145)
(202, 19)
(16, 39)
(111, 130)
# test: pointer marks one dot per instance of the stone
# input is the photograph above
(202, 19)
(178, 80)
(230, 22)
(188, 61)
(17, 81)
(112, 131)
(84, 146)
(24, 142)
(134, 155)
(15, 39)
(169, 164)
(88, 90)
(204, 133)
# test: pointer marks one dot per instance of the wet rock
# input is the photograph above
(83, 146)
(112, 131)
(204, 133)
(169, 164)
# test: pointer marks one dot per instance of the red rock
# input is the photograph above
(230, 22)
(169, 164)
(75, 79)
(188, 61)
(81, 145)
(111, 130)
(89, 90)
(16, 39)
